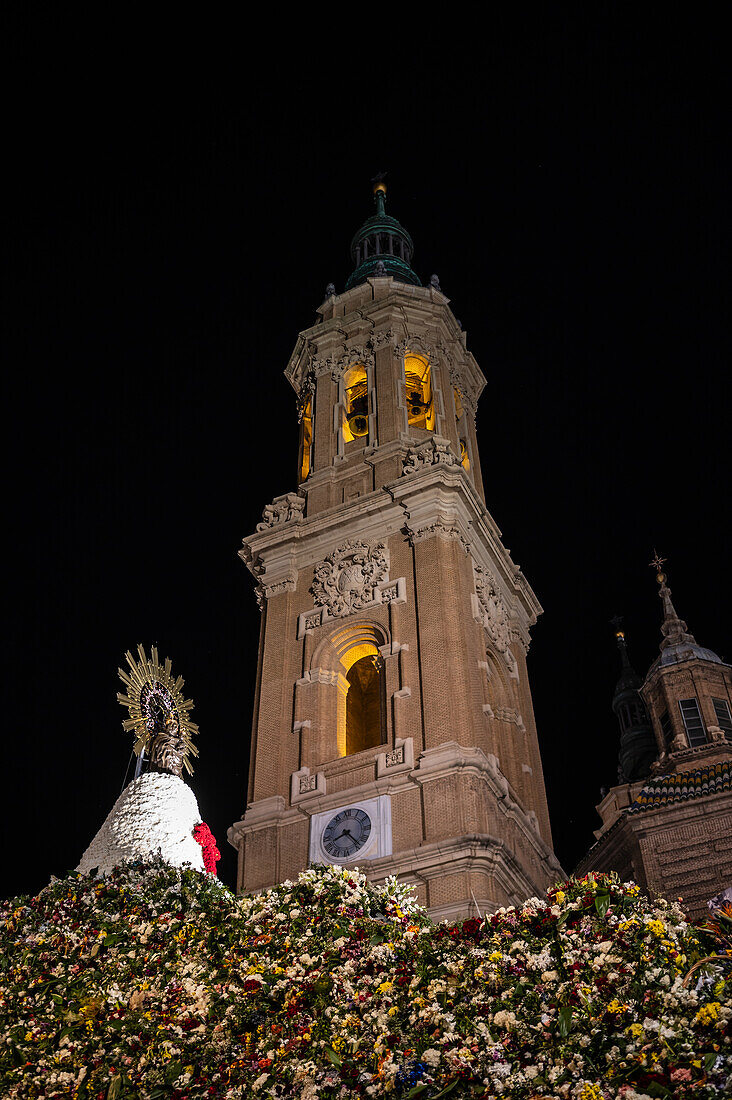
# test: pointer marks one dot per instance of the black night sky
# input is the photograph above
(178, 210)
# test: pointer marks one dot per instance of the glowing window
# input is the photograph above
(306, 437)
(356, 419)
(420, 406)
(364, 699)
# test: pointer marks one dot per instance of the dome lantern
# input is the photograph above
(382, 245)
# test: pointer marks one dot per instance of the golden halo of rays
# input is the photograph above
(148, 670)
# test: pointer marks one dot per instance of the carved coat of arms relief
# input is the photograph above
(347, 579)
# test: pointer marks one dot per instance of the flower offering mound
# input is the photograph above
(153, 981)
(155, 813)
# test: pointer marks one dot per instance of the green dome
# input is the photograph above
(381, 240)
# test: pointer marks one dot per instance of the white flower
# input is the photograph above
(504, 1019)
(431, 1057)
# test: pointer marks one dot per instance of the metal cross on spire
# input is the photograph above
(657, 563)
(617, 623)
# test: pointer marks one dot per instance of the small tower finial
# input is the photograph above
(379, 192)
(617, 624)
(657, 563)
(673, 628)
(637, 743)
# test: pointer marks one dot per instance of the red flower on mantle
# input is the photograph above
(211, 854)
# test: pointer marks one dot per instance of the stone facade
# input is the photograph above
(387, 555)
(671, 830)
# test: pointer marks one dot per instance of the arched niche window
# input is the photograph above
(418, 381)
(362, 715)
(364, 700)
(356, 405)
(462, 427)
(306, 436)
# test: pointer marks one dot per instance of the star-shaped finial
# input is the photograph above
(657, 562)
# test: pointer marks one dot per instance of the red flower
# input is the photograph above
(211, 854)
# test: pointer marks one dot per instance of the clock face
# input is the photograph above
(346, 833)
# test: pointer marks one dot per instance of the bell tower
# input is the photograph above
(393, 724)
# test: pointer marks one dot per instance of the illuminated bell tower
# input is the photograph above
(393, 724)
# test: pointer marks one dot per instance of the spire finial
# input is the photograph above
(617, 624)
(637, 743)
(673, 628)
(657, 563)
(379, 191)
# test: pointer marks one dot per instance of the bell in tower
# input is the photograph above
(393, 724)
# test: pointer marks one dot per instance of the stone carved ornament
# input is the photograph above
(306, 392)
(337, 365)
(379, 339)
(417, 345)
(468, 392)
(283, 509)
(495, 614)
(434, 451)
(347, 579)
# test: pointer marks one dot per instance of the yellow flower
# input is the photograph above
(590, 1092)
(559, 897)
(384, 987)
(656, 927)
(636, 1030)
(707, 1014)
(28, 1036)
(495, 956)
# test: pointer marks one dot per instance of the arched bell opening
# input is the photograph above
(418, 385)
(356, 405)
(306, 437)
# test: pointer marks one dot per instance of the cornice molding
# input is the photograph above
(446, 759)
(436, 500)
(469, 852)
